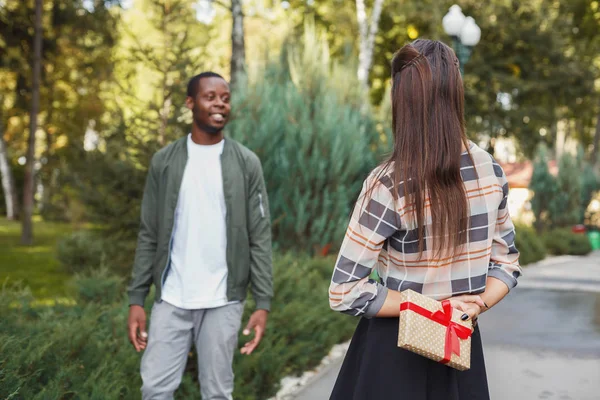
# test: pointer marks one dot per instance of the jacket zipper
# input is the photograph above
(260, 204)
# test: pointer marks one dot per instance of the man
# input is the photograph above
(204, 236)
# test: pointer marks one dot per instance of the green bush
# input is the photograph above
(98, 286)
(565, 206)
(317, 143)
(563, 241)
(544, 187)
(65, 352)
(80, 252)
(82, 352)
(531, 247)
(85, 251)
(301, 331)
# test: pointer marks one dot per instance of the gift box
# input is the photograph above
(434, 330)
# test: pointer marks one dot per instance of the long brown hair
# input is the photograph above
(429, 132)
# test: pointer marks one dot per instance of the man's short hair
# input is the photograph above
(194, 83)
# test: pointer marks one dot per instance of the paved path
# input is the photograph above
(564, 273)
(541, 342)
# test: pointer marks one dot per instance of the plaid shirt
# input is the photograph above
(378, 238)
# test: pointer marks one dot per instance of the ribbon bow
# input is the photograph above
(454, 330)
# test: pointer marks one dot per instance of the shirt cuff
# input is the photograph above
(376, 304)
(137, 297)
(263, 303)
(502, 275)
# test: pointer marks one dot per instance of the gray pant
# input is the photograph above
(214, 333)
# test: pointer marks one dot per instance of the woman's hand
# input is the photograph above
(470, 304)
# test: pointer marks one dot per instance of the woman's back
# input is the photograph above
(432, 218)
(381, 236)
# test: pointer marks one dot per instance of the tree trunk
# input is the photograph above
(164, 118)
(164, 107)
(367, 33)
(8, 182)
(28, 190)
(596, 150)
(238, 50)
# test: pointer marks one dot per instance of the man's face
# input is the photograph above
(210, 108)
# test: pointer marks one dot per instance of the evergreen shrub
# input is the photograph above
(544, 188)
(80, 251)
(82, 351)
(317, 141)
(565, 208)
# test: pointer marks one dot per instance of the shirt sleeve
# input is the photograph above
(145, 252)
(373, 220)
(259, 234)
(504, 261)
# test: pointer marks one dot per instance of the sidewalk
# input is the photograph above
(564, 273)
(541, 342)
(513, 374)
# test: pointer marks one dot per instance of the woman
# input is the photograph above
(432, 218)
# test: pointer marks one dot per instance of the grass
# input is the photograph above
(34, 266)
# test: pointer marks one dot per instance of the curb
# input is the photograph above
(292, 386)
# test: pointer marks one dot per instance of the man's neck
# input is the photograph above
(203, 138)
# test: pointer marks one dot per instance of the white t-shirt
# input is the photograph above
(197, 277)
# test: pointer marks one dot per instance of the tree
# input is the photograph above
(77, 65)
(302, 118)
(596, 150)
(565, 206)
(157, 55)
(238, 49)
(28, 190)
(543, 186)
(367, 31)
(8, 182)
(589, 181)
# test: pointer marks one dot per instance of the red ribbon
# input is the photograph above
(454, 331)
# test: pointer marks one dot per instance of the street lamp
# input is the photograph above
(464, 32)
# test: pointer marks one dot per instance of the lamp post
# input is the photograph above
(464, 32)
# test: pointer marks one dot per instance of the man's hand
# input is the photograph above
(258, 322)
(137, 327)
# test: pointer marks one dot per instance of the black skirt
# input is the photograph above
(376, 369)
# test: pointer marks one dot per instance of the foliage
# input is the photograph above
(77, 43)
(565, 206)
(162, 46)
(521, 78)
(97, 286)
(80, 252)
(62, 352)
(564, 241)
(34, 266)
(302, 123)
(531, 247)
(301, 330)
(590, 184)
(544, 187)
(81, 351)
(111, 185)
(315, 148)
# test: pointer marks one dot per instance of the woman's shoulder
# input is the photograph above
(484, 161)
(382, 175)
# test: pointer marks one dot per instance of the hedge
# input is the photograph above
(81, 351)
(531, 247)
(563, 241)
